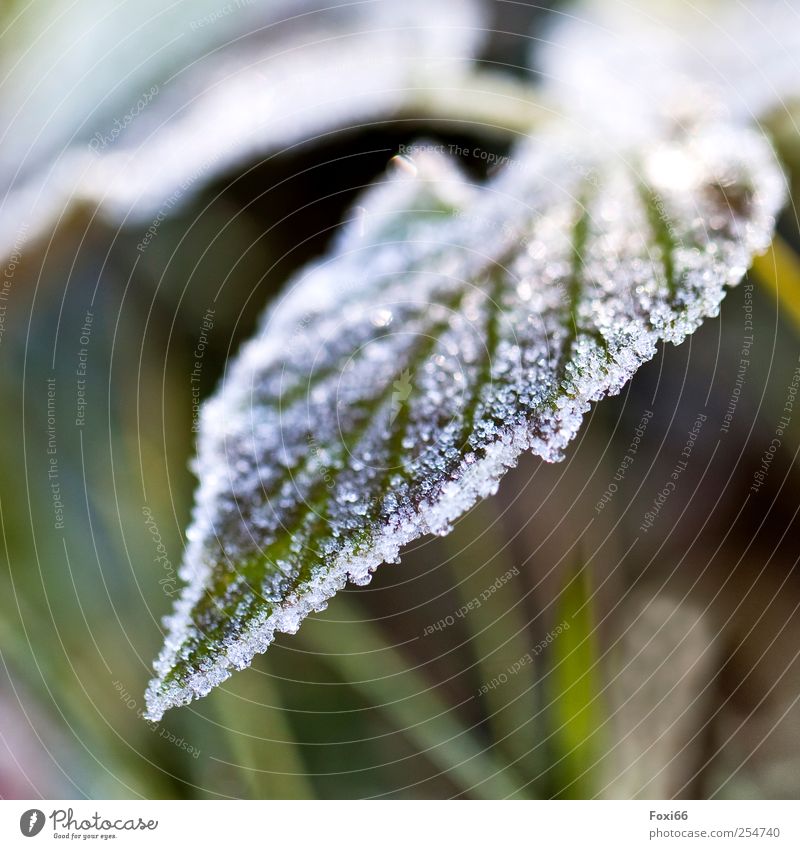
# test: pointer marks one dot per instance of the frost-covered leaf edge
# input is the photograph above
(357, 562)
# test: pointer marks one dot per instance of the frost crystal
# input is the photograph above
(452, 327)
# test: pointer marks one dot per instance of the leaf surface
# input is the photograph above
(452, 327)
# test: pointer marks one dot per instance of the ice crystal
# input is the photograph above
(452, 327)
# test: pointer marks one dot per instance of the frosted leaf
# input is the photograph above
(627, 69)
(298, 71)
(452, 327)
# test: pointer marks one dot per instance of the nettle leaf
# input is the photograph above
(453, 327)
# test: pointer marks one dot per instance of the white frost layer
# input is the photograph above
(296, 77)
(473, 300)
(622, 69)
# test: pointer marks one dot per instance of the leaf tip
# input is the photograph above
(162, 695)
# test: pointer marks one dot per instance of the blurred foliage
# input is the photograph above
(362, 702)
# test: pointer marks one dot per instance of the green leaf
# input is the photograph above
(451, 328)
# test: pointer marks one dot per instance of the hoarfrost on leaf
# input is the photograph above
(298, 71)
(452, 327)
(626, 69)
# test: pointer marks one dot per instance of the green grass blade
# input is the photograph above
(488, 585)
(576, 709)
(360, 655)
(264, 752)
